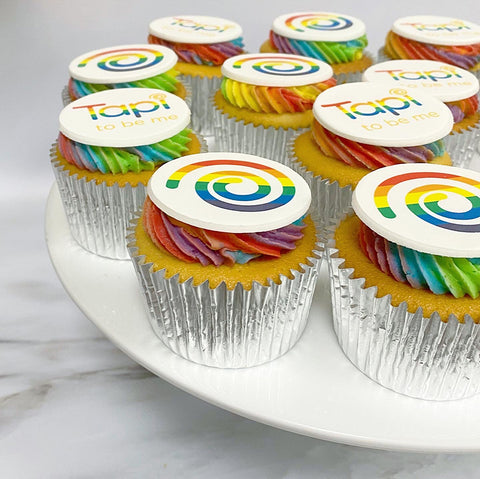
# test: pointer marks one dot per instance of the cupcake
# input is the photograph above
(202, 45)
(456, 87)
(124, 66)
(226, 258)
(359, 127)
(427, 37)
(405, 277)
(110, 144)
(334, 38)
(264, 99)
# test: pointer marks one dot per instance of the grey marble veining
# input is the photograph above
(71, 404)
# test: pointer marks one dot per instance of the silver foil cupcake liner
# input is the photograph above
(352, 76)
(463, 146)
(66, 99)
(420, 357)
(227, 328)
(329, 199)
(202, 88)
(98, 215)
(237, 136)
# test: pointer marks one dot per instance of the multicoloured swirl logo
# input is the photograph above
(237, 185)
(318, 21)
(124, 59)
(452, 202)
(278, 65)
(453, 26)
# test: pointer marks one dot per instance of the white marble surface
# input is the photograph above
(72, 405)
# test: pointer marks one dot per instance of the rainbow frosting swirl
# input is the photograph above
(211, 54)
(264, 99)
(439, 274)
(463, 108)
(197, 245)
(166, 81)
(123, 160)
(329, 52)
(463, 56)
(371, 156)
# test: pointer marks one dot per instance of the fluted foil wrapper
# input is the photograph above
(420, 357)
(202, 89)
(352, 76)
(98, 215)
(235, 135)
(226, 328)
(329, 200)
(463, 146)
(66, 99)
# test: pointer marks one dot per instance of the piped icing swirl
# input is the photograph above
(371, 156)
(439, 274)
(122, 160)
(166, 81)
(211, 54)
(329, 52)
(464, 56)
(273, 99)
(462, 108)
(197, 245)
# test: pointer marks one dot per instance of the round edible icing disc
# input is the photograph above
(433, 209)
(441, 80)
(230, 192)
(276, 69)
(195, 29)
(437, 30)
(319, 26)
(124, 117)
(123, 63)
(383, 115)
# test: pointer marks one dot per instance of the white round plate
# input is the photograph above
(313, 390)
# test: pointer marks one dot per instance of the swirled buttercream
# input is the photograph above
(464, 56)
(329, 52)
(371, 156)
(462, 108)
(122, 160)
(439, 274)
(198, 245)
(273, 99)
(202, 53)
(166, 81)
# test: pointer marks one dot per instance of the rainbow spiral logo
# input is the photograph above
(324, 22)
(278, 65)
(238, 185)
(124, 59)
(452, 203)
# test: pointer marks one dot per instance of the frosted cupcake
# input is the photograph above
(202, 45)
(360, 127)
(456, 87)
(109, 145)
(427, 37)
(405, 278)
(264, 99)
(226, 259)
(124, 66)
(334, 38)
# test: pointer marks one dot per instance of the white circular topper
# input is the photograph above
(195, 29)
(230, 192)
(441, 80)
(123, 63)
(437, 30)
(124, 117)
(383, 115)
(434, 209)
(319, 26)
(276, 69)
